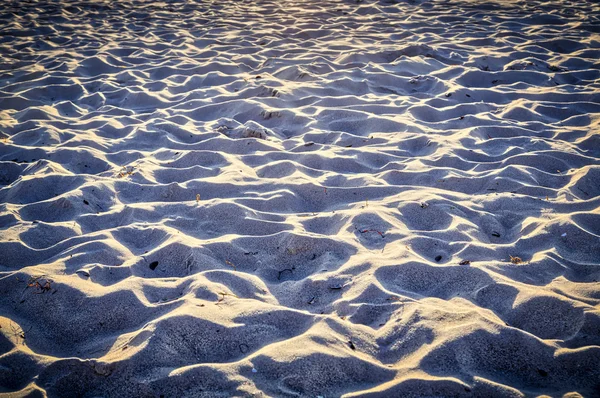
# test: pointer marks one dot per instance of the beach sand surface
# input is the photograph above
(299, 198)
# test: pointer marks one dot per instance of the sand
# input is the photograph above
(299, 198)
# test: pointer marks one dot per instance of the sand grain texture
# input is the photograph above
(299, 198)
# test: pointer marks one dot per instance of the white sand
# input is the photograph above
(348, 156)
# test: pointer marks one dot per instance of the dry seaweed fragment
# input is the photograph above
(515, 260)
(41, 284)
(125, 171)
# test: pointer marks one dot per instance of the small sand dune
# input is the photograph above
(300, 198)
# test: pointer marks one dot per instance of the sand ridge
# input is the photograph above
(299, 198)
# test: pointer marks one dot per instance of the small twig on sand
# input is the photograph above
(17, 333)
(362, 231)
